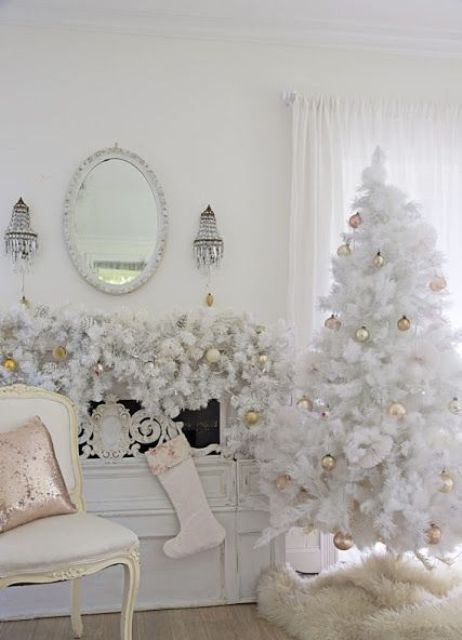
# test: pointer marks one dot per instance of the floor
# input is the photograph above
(237, 622)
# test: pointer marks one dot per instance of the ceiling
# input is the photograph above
(429, 26)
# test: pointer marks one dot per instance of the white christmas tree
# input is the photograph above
(373, 450)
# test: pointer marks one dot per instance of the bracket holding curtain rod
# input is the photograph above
(288, 97)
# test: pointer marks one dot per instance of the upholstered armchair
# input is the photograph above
(64, 547)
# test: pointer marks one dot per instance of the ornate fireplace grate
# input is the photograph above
(117, 429)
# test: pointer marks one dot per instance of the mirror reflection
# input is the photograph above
(116, 222)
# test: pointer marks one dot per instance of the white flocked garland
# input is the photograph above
(178, 361)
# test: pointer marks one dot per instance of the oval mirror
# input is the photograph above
(115, 221)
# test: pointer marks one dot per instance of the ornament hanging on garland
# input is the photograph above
(252, 417)
(433, 534)
(262, 359)
(378, 260)
(344, 250)
(343, 541)
(447, 482)
(455, 406)
(397, 410)
(362, 334)
(282, 482)
(438, 284)
(355, 220)
(333, 323)
(10, 364)
(328, 462)
(305, 403)
(99, 368)
(59, 353)
(404, 324)
(212, 355)
(209, 299)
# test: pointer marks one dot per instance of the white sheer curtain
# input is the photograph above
(333, 140)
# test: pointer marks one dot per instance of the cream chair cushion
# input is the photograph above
(58, 542)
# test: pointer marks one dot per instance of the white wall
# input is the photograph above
(206, 116)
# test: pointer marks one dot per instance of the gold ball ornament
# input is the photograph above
(328, 462)
(397, 410)
(252, 417)
(355, 220)
(212, 355)
(404, 324)
(333, 323)
(344, 250)
(10, 364)
(378, 260)
(305, 403)
(282, 482)
(262, 359)
(438, 284)
(433, 534)
(455, 406)
(343, 540)
(362, 334)
(447, 482)
(59, 353)
(209, 299)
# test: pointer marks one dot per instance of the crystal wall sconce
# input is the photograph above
(208, 248)
(21, 241)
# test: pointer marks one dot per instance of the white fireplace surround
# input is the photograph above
(127, 492)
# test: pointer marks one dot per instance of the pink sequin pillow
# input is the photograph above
(31, 482)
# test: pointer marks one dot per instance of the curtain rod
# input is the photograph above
(288, 97)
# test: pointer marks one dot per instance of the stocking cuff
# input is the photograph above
(168, 455)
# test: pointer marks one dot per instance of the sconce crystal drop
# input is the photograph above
(208, 245)
(21, 242)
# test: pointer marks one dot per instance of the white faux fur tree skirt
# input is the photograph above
(381, 598)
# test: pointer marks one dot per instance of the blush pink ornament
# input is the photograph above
(355, 220)
(438, 284)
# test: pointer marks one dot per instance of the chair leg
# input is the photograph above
(76, 618)
(131, 584)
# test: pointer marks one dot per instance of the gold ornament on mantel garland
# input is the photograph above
(252, 417)
(397, 410)
(404, 324)
(212, 355)
(10, 364)
(262, 359)
(59, 353)
(362, 334)
(447, 482)
(305, 403)
(282, 481)
(328, 462)
(378, 260)
(209, 299)
(433, 534)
